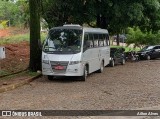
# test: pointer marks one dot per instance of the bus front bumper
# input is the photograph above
(70, 71)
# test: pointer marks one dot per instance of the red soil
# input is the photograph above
(17, 55)
(4, 32)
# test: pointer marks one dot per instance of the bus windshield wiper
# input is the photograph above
(71, 48)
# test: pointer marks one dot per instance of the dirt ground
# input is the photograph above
(17, 55)
(12, 31)
(131, 86)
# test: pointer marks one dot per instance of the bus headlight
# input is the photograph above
(74, 62)
(45, 61)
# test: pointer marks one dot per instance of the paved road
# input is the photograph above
(132, 86)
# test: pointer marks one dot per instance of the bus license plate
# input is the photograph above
(59, 67)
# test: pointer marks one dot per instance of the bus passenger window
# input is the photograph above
(95, 40)
(91, 40)
(91, 43)
(105, 43)
(87, 42)
(101, 43)
(106, 40)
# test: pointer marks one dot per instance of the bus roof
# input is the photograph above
(85, 29)
(95, 30)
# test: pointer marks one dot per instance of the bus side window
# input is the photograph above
(104, 40)
(87, 43)
(85, 40)
(101, 43)
(96, 40)
(91, 40)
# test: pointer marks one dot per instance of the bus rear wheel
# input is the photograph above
(101, 67)
(112, 63)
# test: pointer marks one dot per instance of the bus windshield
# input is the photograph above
(63, 41)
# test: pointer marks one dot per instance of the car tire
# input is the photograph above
(148, 57)
(85, 73)
(123, 61)
(112, 63)
(101, 67)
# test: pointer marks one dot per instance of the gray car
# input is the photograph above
(117, 56)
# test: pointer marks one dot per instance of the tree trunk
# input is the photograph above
(117, 39)
(98, 22)
(35, 50)
(101, 21)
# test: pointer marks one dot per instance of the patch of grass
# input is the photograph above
(14, 39)
(2, 72)
(25, 74)
(31, 73)
(19, 38)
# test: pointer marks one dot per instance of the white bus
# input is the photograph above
(73, 50)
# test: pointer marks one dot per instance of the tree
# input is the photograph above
(151, 16)
(35, 50)
(139, 39)
(59, 12)
(113, 15)
(23, 13)
(8, 11)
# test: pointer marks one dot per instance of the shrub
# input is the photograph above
(139, 39)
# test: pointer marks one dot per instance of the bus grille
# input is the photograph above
(59, 63)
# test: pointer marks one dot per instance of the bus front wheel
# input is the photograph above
(50, 78)
(85, 73)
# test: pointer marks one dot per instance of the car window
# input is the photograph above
(157, 47)
(147, 48)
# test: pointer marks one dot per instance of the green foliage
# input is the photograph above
(8, 11)
(4, 23)
(58, 12)
(139, 38)
(151, 16)
(23, 12)
(16, 12)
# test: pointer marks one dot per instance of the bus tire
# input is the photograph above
(101, 67)
(112, 63)
(50, 78)
(85, 73)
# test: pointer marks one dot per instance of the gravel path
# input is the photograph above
(132, 86)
